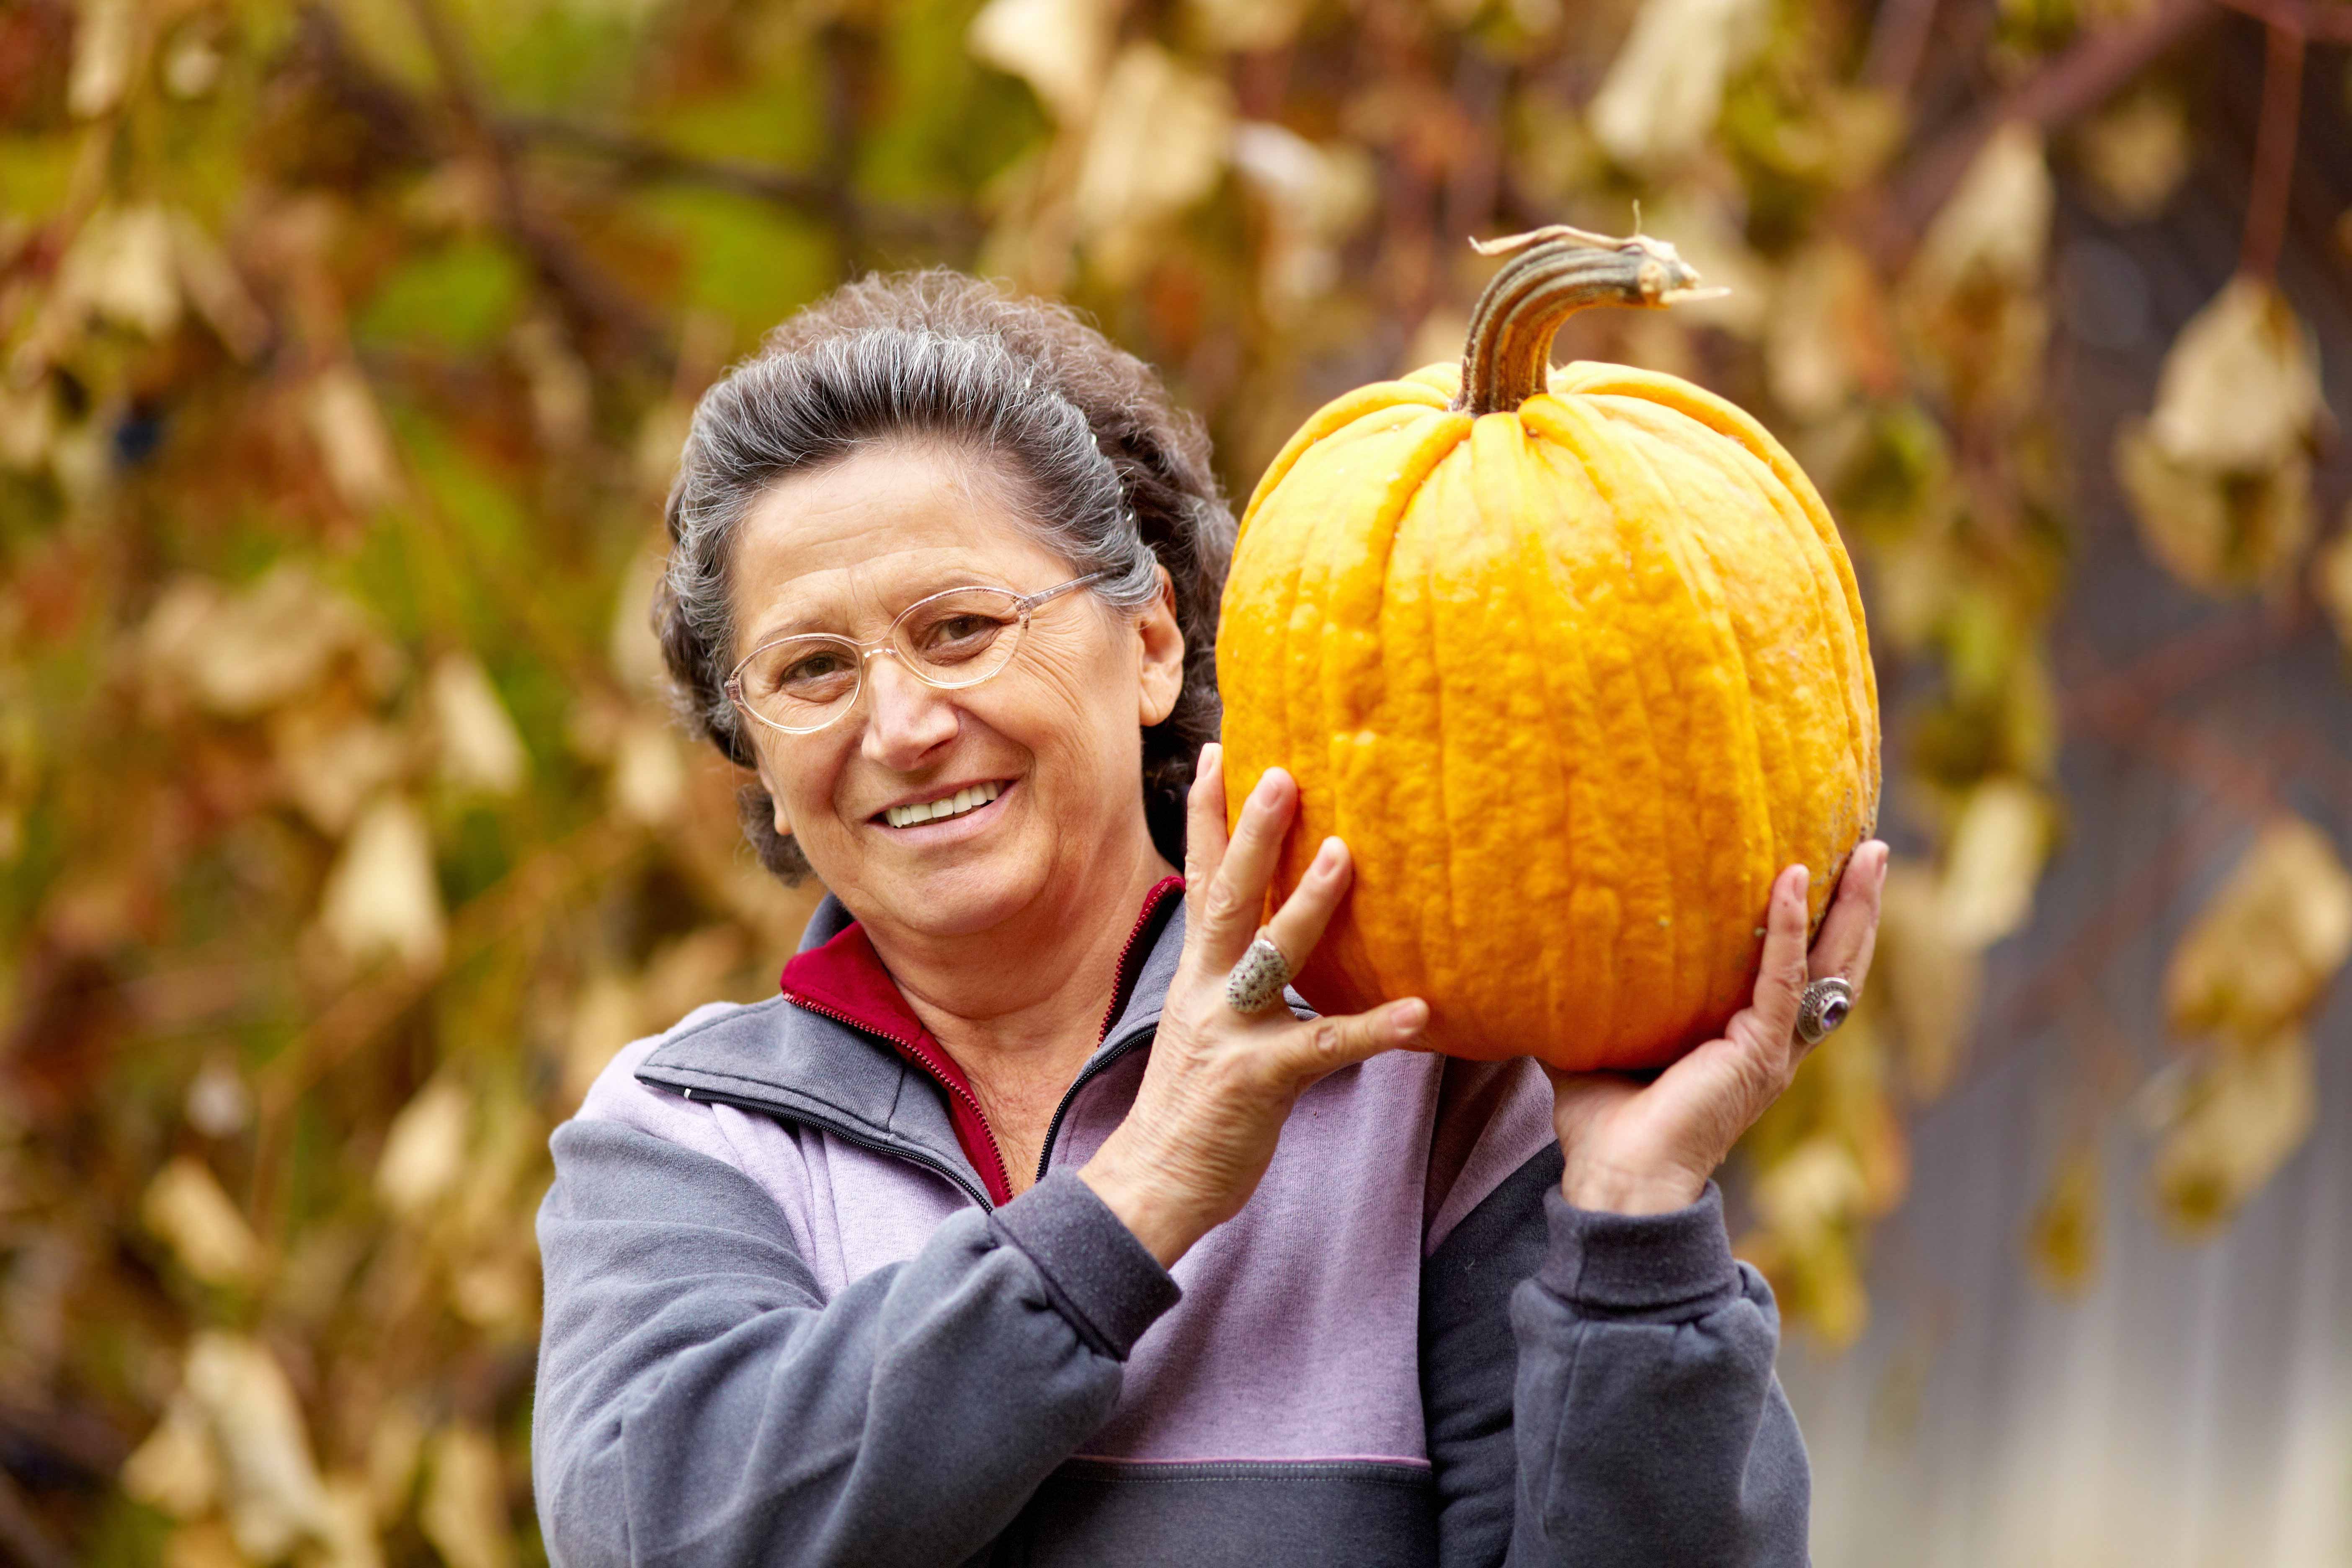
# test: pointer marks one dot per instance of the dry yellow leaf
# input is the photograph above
(562, 397)
(464, 1513)
(1058, 47)
(1993, 860)
(2239, 391)
(241, 654)
(2215, 530)
(2135, 154)
(383, 896)
(2243, 1114)
(187, 1210)
(1246, 25)
(332, 762)
(480, 750)
(121, 267)
(2331, 580)
(2064, 1242)
(1931, 979)
(424, 1150)
(271, 1487)
(1664, 88)
(1812, 1190)
(1313, 196)
(29, 425)
(214, 288)
(1157, 145)
(105, 41)
(352, 441)
(175, 1470)
(1996, 226)
(395, 1447)
(1826, 337)
(2269, 942)
(206, 1543)
(349, 1538)
(648, 781)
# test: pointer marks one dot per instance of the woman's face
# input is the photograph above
(842, 550)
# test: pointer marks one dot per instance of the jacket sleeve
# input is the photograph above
(697, 1402)
(1599, 1389)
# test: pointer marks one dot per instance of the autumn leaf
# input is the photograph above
(2269, 941)
(2244, 1113)
(1666, 86)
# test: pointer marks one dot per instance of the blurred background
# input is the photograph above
(345, 351)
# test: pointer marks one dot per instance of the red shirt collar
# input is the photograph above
(845, 980)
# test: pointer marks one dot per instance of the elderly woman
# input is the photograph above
(1002, 1234)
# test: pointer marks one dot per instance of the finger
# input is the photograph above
(1320, 1046)
(1299, 924)
(1205, 818)
(1237, 895)
(1850, 931)
(1780, 979)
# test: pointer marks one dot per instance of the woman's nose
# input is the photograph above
(904, 717)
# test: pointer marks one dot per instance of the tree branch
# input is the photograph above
(592, 299)
(2078, 81)
(2274, 139)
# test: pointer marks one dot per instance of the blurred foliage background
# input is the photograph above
(345, 350)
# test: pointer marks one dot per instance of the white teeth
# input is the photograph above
(970, 798)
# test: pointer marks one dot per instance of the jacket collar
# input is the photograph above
(840, 1048)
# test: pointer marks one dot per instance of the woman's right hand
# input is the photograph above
(1220, 1083)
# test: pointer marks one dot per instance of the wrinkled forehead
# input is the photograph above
(845, 547)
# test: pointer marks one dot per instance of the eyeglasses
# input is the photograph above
(951, 641)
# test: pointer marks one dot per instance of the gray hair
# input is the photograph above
(1112, 478)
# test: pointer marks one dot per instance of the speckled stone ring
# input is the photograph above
(1257, 982)
(1823, 1006)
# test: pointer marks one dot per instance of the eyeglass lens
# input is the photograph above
(955, 640)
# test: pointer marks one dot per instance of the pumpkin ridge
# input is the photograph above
(1645, 892)
(1445, 436)
(1592, 913)
(1329, 420)
(1841, 639)
(1711, 729)
(1729, 419)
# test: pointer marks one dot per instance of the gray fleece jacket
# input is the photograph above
(786, 1325)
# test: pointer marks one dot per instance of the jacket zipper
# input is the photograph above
(794, 1113)
(994, 1152)
(1102, 1058)
(1087, 1075)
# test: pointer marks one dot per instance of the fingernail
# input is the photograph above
(1800, 881)
(1326, 858)
(1268, 783)
(1408, 1018)
(1213, 757)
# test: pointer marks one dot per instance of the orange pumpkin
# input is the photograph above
(1574, 661)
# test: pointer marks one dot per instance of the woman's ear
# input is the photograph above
(1161, 669)
(775, 797)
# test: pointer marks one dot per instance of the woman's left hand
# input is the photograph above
(1635, 1147)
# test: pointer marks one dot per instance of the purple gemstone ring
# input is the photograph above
(1822, 1007)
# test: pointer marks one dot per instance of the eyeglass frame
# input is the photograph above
(1024, 605)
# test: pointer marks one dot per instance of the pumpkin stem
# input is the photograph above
(1553, 273)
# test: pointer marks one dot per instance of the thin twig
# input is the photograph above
(2274, 139)
(642, 157)
(1898, 43)
(2071, 85)
(563, 264)
(2328, 24)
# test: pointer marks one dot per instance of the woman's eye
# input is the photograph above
(957, 637)
(811, 669)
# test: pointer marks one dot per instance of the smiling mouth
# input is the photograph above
(962, 803)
